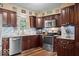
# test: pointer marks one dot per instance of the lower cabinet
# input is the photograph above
(5, 46)
(25, 43)
(36, 41)
(64, 47)
(29, 42)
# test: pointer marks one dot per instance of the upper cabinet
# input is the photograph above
(76, 13)
(32, 21)
(6, 19)
(70, 15)
(9, 18)
(13, 19)
(39, 22)
(64, 16)
(58, 22)
(36, 22)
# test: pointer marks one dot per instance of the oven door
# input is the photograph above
(48, 43)
(48, 40)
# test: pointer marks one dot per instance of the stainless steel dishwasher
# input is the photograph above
(14, 45)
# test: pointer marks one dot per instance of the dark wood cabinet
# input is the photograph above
(36, 41)
(36, 22)
(39, 22)
(13, 18)
(64, 47)
(32, 21)
(76, 16)
(76, 22)
(25, 43)
(67, 15)
(9, 18)
(5, 46)
(6, 18)
(70, 15)
(77, 41)
(58, 20)
(29, 42)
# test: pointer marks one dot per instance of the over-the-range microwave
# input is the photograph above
(50, 23)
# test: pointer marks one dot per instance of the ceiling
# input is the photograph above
(39, 6)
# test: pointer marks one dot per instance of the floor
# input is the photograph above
(37, 52)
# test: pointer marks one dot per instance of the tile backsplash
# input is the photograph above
(17, 31)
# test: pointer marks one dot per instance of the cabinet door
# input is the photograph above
(6, 18)
(63, 16)
(65, 47)
(39, 22)
(60, 51)
(67, 15)
(70, 50)
(36, 41)
(25, 43)
(9, 18)
(33, 40)
(57, 17)
(39, 42)
(59, 48)
(68, 47)
(77, 33)
(77, 41)
(5, 46)
(13, 19)
(71, 14)
(76, 14)
(77, 29)
(32, 21)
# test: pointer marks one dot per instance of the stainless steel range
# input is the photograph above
(48, 43)
(48, 37)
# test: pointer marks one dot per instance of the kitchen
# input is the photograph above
(26, 31)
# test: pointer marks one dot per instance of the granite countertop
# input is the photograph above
(9, 36)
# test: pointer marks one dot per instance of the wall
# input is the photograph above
(54, 11)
